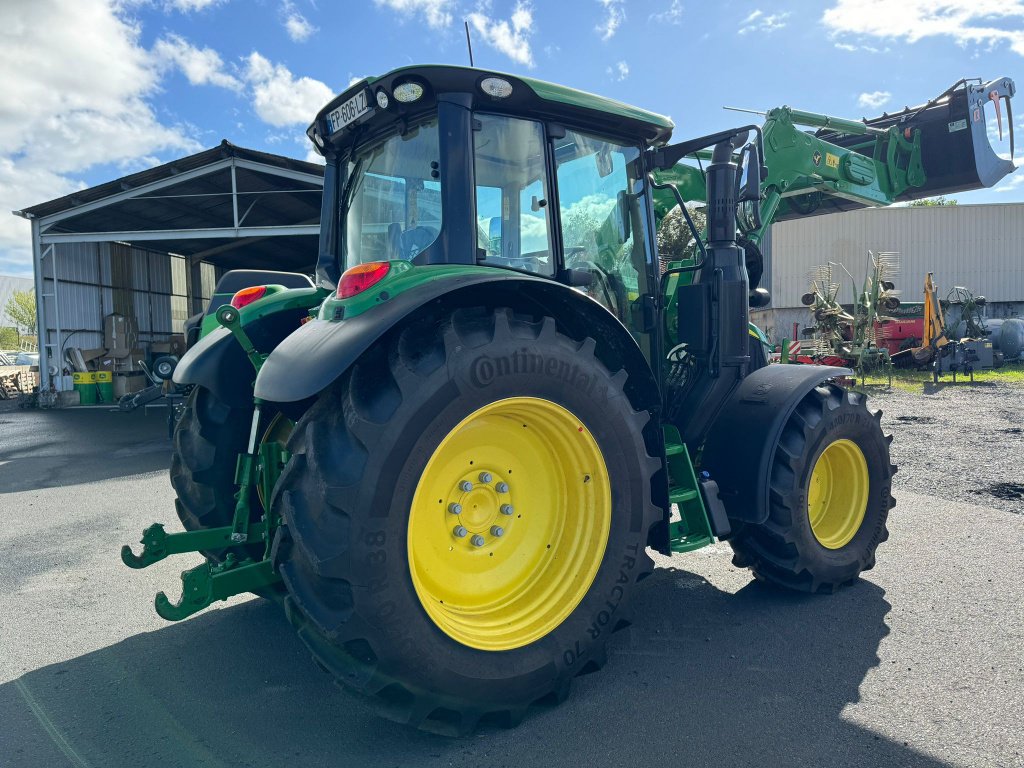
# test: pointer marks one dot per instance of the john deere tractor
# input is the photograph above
(450, 455)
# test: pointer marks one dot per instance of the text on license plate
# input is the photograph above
(352, 109)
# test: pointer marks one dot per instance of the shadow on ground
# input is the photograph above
(705, 678)
(56, 448)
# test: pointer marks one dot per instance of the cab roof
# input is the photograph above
(530, 97)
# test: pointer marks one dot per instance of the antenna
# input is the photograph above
(469, 43)
(740, 109)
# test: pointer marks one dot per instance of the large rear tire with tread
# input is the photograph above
(207, 441)
(368, 519)
(830, 492)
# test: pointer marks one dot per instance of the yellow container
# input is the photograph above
(105, 386)
(85, 384)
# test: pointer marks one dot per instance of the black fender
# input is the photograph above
(311, 358)
(741, 443)
(218, 363)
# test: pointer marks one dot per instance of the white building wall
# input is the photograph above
(980, 247)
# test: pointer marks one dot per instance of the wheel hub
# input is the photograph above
(837, 493)
(509, 523)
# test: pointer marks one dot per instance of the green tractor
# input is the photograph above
(450, 455)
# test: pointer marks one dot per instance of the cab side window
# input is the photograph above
(599, 193)
(511, 195)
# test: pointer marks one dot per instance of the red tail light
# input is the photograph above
(360, 277)
(248, 296)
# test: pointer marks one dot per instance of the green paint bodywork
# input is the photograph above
(277, 299)
(401, 277)
(692, 530)
(558, 94)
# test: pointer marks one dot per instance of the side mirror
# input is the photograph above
(748, 194)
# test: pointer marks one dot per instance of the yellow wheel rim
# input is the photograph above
(509, 523)
(838, 494)
(279, 430)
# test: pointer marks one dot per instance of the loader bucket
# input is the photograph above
(956, 151)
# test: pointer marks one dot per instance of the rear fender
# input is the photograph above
(741, 444)
(313, 357)
(217, 361)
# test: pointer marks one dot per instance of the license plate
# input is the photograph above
(348, 112)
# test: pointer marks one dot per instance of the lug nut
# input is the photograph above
(501, 487)
(497, 530)
(465, 485)
(477, 541)
(485, 477)
(460, 531)
(506, 509)
(455, 509)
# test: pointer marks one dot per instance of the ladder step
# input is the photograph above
(674, 449)
(680, 496)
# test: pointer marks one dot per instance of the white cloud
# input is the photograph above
(759, 21)
(963, 21)
(614, 15)
(619, 72)
(312, 156)
(296, 25)
(56, 119)
(671, 15)
(873, 100)
(437, 13)
(201, 66)
(511, 37)
(187, 6)
(279, 97)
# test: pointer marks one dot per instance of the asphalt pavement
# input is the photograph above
(919, 664)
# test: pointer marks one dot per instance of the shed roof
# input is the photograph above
(230, 206)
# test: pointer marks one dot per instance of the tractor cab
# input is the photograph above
(448, 165)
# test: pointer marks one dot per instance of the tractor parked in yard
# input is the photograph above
(451, 455)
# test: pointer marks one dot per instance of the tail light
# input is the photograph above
(248, 296)
(360, 277)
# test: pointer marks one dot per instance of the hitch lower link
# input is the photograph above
(239, 572)
(209, 581)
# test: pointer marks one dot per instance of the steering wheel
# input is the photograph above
(606, 287)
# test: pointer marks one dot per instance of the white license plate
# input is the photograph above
(348, 112)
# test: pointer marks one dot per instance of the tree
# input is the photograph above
(675, 239)
(929, 202)
(21, 309)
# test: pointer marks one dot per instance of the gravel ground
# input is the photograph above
(962, 441)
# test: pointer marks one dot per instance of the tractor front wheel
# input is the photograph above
(465, 518)
(829, 496)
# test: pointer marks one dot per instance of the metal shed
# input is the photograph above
(151, 245)
(977, 246)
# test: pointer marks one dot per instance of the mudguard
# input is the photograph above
(218, 363)
(310, 359)
(740, 447)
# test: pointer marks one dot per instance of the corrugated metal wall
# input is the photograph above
(98, 279)
(977, 246)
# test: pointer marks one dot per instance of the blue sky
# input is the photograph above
(94, 89)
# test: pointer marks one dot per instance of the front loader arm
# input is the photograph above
(937, 148)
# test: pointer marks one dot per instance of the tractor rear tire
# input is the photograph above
(829, 496)
(518, 426)
(207, 441)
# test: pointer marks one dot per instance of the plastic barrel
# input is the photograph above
(1011, 339)
(85, 384)
(105, 386)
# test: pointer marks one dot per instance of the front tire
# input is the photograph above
(829, 496)
(398, 604)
